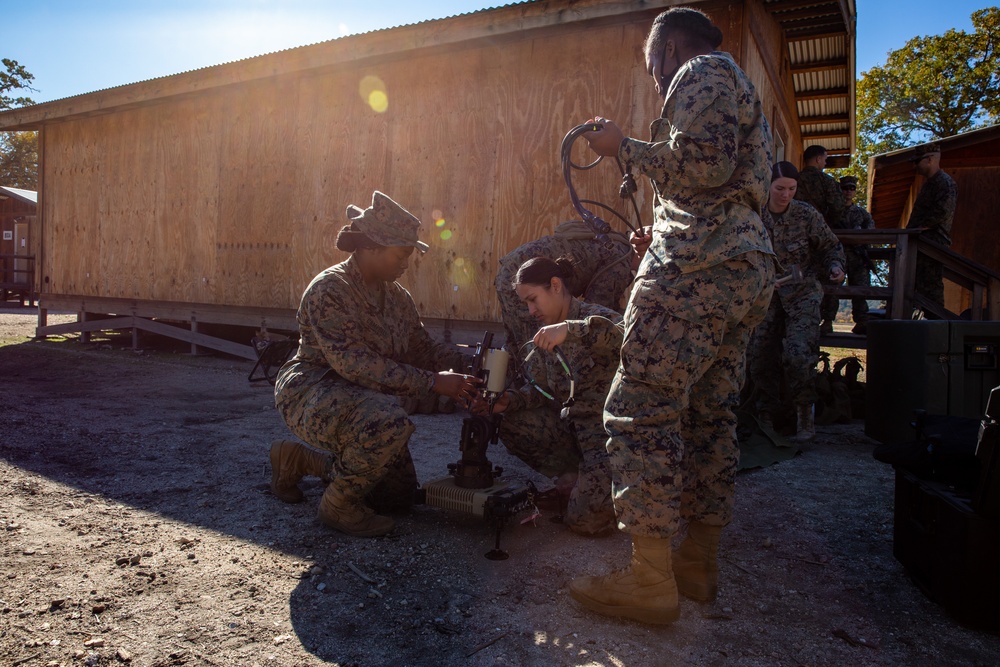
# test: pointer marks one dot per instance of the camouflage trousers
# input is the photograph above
(929, 279)
(858, 275)
(553, 447)
(828, 307)
(366, 434)
(785, 347)
(670, 411)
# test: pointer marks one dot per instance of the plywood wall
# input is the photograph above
(233, 196)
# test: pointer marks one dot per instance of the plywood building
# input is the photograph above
(215, 195)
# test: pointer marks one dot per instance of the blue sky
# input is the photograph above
(74, 47)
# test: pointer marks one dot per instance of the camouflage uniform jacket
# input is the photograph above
(801, 237)
(822, 191)
(935, 207)
(592, 347)
(368, 337)
(710, 164)
(856, 217)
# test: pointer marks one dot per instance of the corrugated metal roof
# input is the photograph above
(27, 196)
(820, 35)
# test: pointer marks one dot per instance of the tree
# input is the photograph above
(19, 160)
(15, 77)
(934, 87)
(18, 150)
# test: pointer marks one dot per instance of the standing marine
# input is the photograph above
(822, 192)
(703, 285)
(932, 212)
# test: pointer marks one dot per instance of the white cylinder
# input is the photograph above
(495, 363)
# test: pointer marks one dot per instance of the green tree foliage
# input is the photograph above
(14, 77)
(18, 150)
(934, 87)
(19, 160)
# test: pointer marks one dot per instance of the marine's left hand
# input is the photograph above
(836, 274)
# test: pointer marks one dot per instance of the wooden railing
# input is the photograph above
(899, 247)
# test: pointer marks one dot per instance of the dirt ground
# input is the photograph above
(136, 528)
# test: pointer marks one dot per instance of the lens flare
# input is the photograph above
(462, 273)
(373, 92)
(440, 222)
(445, 234)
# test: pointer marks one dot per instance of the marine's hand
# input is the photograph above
(456, 385)
(550, 336)
(836, 274)
(480, 406)
(640, 244)
(607, 140)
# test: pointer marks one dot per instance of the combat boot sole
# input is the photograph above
(650, 613)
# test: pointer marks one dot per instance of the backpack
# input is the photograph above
(840, 396)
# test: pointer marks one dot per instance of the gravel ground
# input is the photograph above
(136, 528)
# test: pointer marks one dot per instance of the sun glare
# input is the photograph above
(372, 91)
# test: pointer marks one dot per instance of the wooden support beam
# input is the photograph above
(822, 120)
(820, 66)
(807, 35)
(821, 94)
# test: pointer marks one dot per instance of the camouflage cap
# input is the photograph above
(387, 223)
(922, 151)
(848, 182)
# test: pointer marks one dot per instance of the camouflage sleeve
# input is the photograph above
(342, 341)
(597, 333)
(702, 146)
(425, 352)
(836, 216)
(867, 221)
(826, 244)
(935, 204)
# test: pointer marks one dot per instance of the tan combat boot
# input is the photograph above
(343, 512)
(645, 591)
(806, 428)
(290, 462)
(695, 566)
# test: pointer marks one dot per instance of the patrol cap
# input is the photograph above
(848, 182)
(387, 223)
(922, 151)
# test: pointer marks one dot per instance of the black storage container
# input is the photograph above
(951, 553)
(943, 367)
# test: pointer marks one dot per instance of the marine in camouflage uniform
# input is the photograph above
(533, 431)
(703, 284)
(823, 192)
(362, 346)
(787, 341)
(933, 210)
(701, 288)
(858, 265)
(608, 272)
